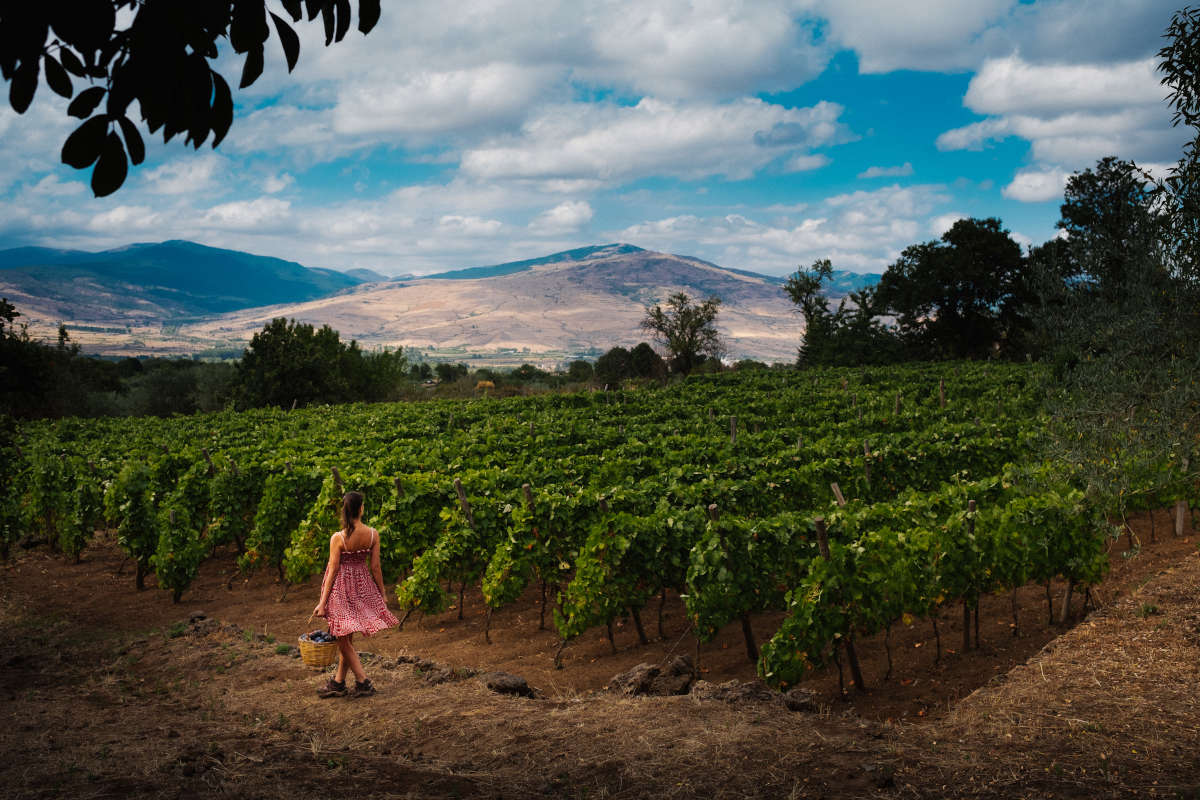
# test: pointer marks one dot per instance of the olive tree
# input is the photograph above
(688, 330)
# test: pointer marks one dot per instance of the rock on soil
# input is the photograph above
(434, 673)
(649, 680)
(507, 683)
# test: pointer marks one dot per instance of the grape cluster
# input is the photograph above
(320, 637)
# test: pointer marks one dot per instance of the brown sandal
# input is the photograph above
(332, 689)
(364, 689)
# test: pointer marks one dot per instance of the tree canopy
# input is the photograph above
(1178, 196)
(949, 296)
(687, 329)
(1107, 216)
(160, 59)
(848, 335)
(289, 362)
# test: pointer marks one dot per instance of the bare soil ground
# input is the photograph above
(109, 692)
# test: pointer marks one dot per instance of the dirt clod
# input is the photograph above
(507, 683)
(674, 678)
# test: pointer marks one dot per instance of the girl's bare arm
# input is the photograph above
(376, 569)
(335, 559)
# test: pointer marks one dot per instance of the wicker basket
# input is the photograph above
(317, 654)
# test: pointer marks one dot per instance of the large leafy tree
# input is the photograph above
(614, 366)
(1106, 214)
(154, 52)
(1125, 398)
(955, 297)
(645, 363)
(687, 329)
(848, 335)
(1179, 194)
(289, 362)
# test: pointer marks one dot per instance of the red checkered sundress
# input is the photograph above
(355, 604)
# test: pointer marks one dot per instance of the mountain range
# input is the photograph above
(179, 297)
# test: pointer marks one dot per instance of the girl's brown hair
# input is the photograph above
(352, 503)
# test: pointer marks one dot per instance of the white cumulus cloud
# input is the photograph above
(563, 218)
(1037, 185)
(901, 171)
(614, 143)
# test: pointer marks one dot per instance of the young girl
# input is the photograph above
(352, 595)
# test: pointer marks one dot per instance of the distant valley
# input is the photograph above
(179, 298)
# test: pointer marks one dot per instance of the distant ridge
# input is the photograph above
(843, 281)
(166, 280)
(366, 275)
(511, 267)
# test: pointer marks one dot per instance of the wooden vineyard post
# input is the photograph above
(896, 413)
(462, 586)
(450, 422)
(837, 495)
(612, 642)
(399, 487)
(1181, 510)
(337, 486)
(799, 441)
(211, 469)
(531, 427)
(294, 399)
(866, 463)
(941, 393)
(463, 503)
(733, 430)
(527, 492)
(966, 645)
(177, 592)
(848, 642)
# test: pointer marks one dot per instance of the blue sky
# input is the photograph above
(761, 134)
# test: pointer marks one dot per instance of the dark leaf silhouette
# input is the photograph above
(133, 140)
(368, 15)
(248, 27)
(328, 20)
(222, 108)
(293, 9)
(111, 168)
(24, 86)
(85, 103)
(288, 39)
(253, 67)
(83, 146)
(71, 63)
(343, 19)
(57, 77)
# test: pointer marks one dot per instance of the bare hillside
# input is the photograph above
(564, 307)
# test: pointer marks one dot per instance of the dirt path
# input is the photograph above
(106, 694)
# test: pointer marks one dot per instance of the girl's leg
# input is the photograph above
(343, 659)
(349, 658)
